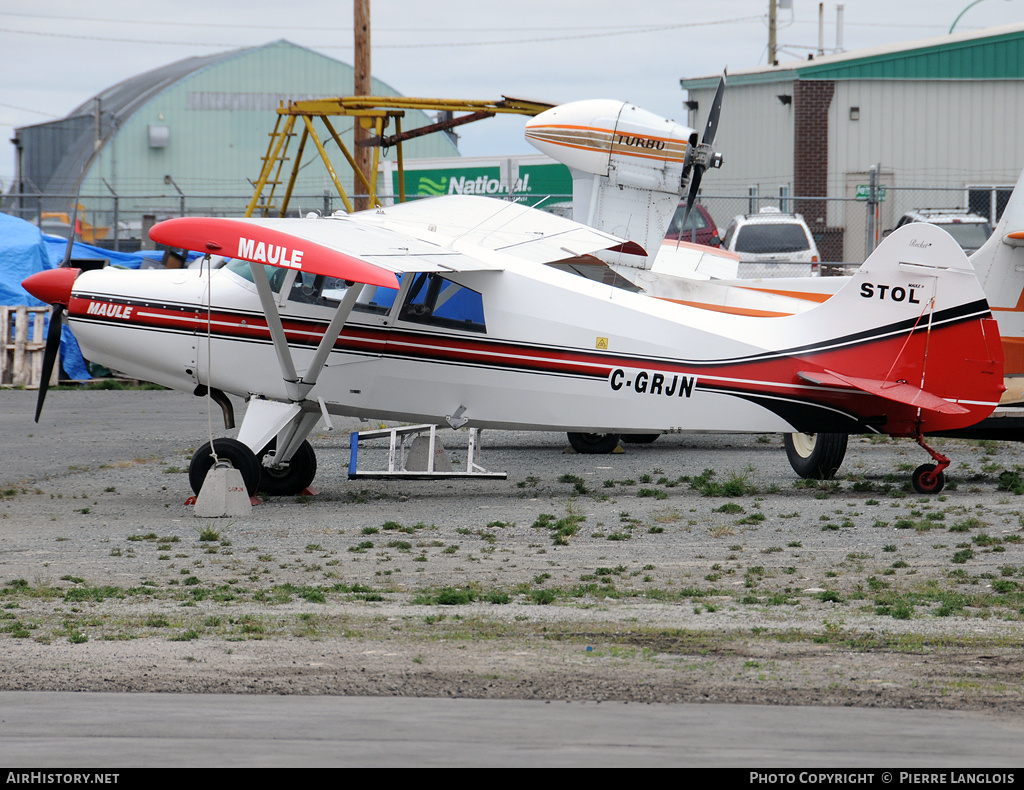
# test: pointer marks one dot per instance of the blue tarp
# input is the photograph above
(23, 253)
(57, 248)
(24, 250)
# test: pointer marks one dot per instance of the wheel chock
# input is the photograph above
(223, 494)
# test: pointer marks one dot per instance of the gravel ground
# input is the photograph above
(625, 576)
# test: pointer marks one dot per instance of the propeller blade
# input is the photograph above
(716, 110)
(698, 173)
(700, 161)
(50, 354)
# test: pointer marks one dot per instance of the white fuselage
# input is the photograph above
(535, 367)
(534, 348)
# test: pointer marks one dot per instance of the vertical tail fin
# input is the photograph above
(912, 326)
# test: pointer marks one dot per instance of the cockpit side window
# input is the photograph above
(434, 300)
(319, 289)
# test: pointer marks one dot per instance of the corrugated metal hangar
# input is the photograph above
(940, 113)
(199, 125)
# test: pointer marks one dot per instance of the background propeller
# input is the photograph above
(699, 158)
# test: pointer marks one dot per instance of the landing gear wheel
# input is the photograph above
(594, 443)
(235, 453)
(815, 455)
(292, 479)
(640, 438)
(926, 480)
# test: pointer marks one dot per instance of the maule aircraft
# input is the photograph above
(485, 313)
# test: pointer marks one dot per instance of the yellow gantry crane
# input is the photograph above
(377, 112)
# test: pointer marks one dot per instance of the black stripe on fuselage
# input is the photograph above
(970, 311)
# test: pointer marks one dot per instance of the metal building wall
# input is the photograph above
(936, 133)
(219, 120)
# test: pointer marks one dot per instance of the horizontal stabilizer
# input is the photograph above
(900, 392)
(257, 243)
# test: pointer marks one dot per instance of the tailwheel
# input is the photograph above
(289, 479)
(593, 443)
(235, 453)
(930, 478)
(927, 480)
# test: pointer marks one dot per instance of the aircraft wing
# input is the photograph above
(270, 242)
(462, 221)
(437, 235)
(899, 392)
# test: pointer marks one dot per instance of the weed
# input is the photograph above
(1011, 481)
(579, 484)
(962, 556)
(735, 486)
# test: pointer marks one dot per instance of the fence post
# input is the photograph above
(869, 241)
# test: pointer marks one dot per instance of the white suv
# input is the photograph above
(969, 230)
(781, 243)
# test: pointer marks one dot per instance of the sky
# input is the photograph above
(57, 54)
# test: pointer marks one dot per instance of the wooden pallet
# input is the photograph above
(24, 339)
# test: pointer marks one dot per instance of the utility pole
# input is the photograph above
(773, 18)
(361, 87)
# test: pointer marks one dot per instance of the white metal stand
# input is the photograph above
(401, 440)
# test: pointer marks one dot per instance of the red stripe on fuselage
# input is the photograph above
(974, 384)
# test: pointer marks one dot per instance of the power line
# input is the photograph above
(605, 32)
(191, 24)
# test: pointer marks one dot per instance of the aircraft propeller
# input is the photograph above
(52, 349)
(700, 157)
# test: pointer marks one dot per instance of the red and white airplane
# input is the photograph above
(473, 311)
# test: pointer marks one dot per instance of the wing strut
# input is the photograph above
(273, 316)
(299, 387)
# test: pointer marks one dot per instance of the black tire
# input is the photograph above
(234, 452)
(640, 438)
(294, 478)
(594, 443)
(926, 480)
(817, 456)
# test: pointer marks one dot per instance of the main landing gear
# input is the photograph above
(285, 479)
(593, 443)
(817, 456)
(604, 443)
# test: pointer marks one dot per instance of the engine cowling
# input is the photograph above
(618, 140)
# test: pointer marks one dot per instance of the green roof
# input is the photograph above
(992, 56)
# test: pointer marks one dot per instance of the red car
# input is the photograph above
(700, 228)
